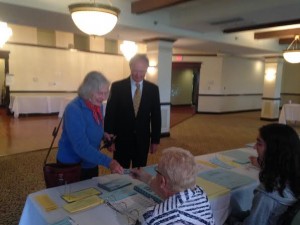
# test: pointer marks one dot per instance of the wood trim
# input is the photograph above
(143, 6)
(159, 39)
(261, 26)
(228, 112)
(286, 41)
(229, 95)
(206, 55)
(269, 119)
(296, 94)
(165, 103)
(272, 99)
(277, 33)
(165, 134)
(186, 65)
(25, 91)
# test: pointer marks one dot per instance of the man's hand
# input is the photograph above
(153, 148)
(115, 167)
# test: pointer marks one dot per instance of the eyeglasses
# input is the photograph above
(157, 171)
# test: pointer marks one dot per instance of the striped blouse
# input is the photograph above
(189, 207)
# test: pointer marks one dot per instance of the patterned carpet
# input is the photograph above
(21, 174)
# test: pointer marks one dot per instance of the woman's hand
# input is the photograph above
(110, 138)
(115, 167)
(254, 161)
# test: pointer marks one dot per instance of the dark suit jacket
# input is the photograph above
(120, 119)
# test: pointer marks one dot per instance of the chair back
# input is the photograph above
(291, 216)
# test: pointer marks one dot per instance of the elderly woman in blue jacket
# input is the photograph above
(83, 128)
(278, 148)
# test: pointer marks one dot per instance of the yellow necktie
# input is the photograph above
(137, 98)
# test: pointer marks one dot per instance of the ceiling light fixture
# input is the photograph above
(94, 19)
(292, 53)
(129, 49)
(5, 32)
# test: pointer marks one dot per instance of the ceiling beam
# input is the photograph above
(143, 6)
(285, 41)
(277, 33)
(262, 26)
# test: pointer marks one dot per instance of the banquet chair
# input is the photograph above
(291, 216)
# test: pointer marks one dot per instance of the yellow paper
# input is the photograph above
(75, 196)
(83, 204)
(45, 201)
(211, 189)
(228, 161)
(207, 163)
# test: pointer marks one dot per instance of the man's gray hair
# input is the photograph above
(139, 57)
(179, 167)
(92, 83)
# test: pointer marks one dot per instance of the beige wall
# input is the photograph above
(47, 69)
(290, 83)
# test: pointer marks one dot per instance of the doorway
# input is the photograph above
(4, 89)
(185, 84)
(184, 91)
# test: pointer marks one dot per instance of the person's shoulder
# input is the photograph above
(74, 105)
(146, 82)
(150, 84)
(121, 82)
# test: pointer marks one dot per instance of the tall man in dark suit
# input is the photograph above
(133, 115)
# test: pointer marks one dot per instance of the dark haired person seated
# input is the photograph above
(278, 148)
(183, 201)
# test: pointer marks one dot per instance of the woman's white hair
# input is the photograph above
(179, 167)
(92, 83)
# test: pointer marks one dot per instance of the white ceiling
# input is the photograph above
(196, 25)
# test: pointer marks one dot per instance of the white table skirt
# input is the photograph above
(289, 112)
(27, 103)
(33, 214)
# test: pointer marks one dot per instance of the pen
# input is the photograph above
(72, 221)
(114, 208)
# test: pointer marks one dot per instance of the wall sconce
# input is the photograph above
(270, 74)
(152, 68)
(129, 49)
(5, 32)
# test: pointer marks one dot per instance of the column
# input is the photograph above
(159, 52)
(272, 89)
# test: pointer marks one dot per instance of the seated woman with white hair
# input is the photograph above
(175, 182)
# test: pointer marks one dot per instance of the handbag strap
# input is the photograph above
(54, 134)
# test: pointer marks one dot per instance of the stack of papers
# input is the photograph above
(115, 184)
(211, 189)
(238, 156)
(225, 178)
(75, 196)
(46, 202)
(83, 204)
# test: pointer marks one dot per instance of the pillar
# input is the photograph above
(272, 89)
(159, 52)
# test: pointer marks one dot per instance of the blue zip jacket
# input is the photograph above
(81, 137)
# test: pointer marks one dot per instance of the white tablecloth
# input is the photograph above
(26, 103)
(289, 112)
(33, 214)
